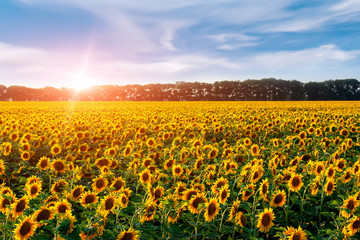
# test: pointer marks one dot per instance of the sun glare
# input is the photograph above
(81, 81)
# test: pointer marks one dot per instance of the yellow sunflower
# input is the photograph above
(88, 198)
(354, 226)
(224, 194)
(350, 204)
(43, 214)
(145, 177)
(33, 190)
(25, 229)
(129, 234)
(177, 170)
(295, 182)
(58, 166)
(265, 220)
(99, 183)
(329, 187)
(212, 209)
(278, 199)
(56, 149)
(195, 201)
(18, 207)
(62, 206)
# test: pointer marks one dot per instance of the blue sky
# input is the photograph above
(72, 43)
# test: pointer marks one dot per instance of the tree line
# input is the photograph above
(267, 89)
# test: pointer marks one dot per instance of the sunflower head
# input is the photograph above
(278, 199)
(265, 220)
(25, 229)
(129, 234)
(295, 183)
(211, 210)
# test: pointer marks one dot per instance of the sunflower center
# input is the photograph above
(118, 185)
(25, 228)
(243, 220)
(5, 202)
(351, 205)
(224, 194)
(265, 221)
(190, 194)
(59, 166)
(127, 236)
(62, 208)
(123, 200)
(100, 183)
(76, 192)
(211, 209)
(33, 190)
(59, 187)
(177, 170)
(256, 175)
(296, 236)
(264, 188)
(157, 194)
(331, 172)
(347, 176)
(329, 187)
(278, 199)
(247, 193)
(295, 182)
(89, 199)
(109, 204)
(43, 215)
(145, 177)
(43, 164)
(20, 206)
(341, 165)
(197, 201)
(356, 224)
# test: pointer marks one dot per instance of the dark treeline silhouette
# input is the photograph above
(269, 89)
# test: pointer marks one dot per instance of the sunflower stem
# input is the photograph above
(197, 222)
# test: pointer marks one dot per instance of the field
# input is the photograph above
(179, 170)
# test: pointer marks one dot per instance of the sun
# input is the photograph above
(81, 81)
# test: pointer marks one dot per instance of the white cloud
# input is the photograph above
(306, 58)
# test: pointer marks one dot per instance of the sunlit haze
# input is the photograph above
(66, 43)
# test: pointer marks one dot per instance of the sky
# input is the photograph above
(73, 43)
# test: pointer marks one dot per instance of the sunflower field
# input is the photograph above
(179, 170)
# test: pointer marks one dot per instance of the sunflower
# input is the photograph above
(124, 200)
(354, 226)
(108, 203)
(6, 147)
(18, 207)
(329, 187)
(43, 214)
(145, 177)
(101, 162)
(62, 206)
(295, 182)
(180, 189)
(302, 135)
(255, 151)
(150, 142)
(330, 172)
(76, 193)
(58, 166)
(118, 183)
(224, 194)
(5, 202)
(219, 184)
(169, 164)
(33, 189)
(2, 167)
(247, 192)
(157, 193)
(149, 212)
(59, 186)
(278, 199)
(234, 209)
(319, 168)
(25, 229)
(265, 220)
(212, 209)
(195, 201)
(295, 234)
(88, 198)
(129, 234)
(188, 194)
(56, 149)
(346, 177)
(240, 219)
(25, 155)
(213, 153)
(127, 151)
(43, 163)
(264, 187)
(100, 183)
(350, 204)
(340, 165)
(177, 170)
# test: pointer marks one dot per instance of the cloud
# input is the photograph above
(306, 58)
